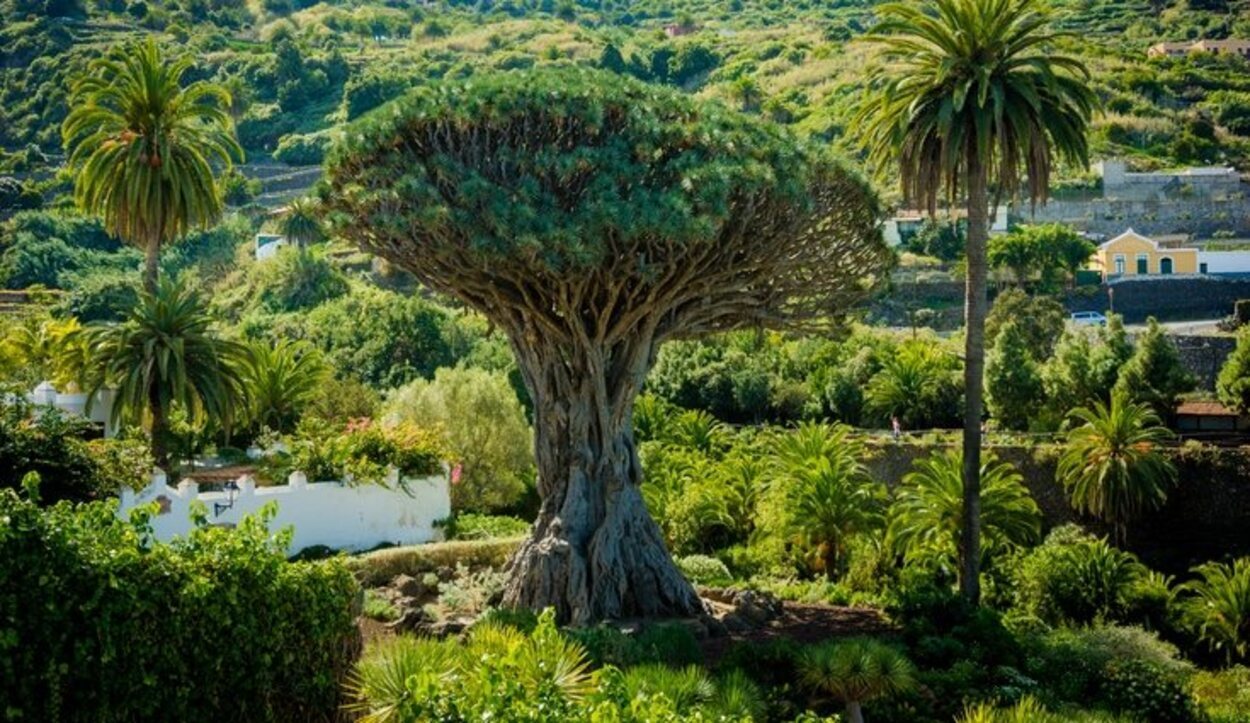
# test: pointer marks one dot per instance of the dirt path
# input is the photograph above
(804, 623)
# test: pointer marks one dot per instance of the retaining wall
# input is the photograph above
(333, 514)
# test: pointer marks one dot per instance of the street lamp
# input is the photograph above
(231, 489)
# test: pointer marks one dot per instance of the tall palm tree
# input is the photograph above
(299, 222)
(927, 517)
(166, 353)
(1111, 465)
(857, 671)
(144, 148)
(972, 95)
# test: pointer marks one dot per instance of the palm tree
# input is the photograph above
(1217, 606)
(910, 385)
(972, 95)
(856, 671)
(928, 514)
(281, 380)
(144, 148)
(166, 353)
(300, 222)
(827, 494)
(1111, 465)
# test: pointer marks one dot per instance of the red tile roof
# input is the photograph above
(1204, 409)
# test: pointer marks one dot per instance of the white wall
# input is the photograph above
(1225, 262)
(322, 513)
(45, 395)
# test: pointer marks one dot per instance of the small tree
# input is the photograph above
(1040, 319)
(1217, 607)
(1111, 466)
(1012, 381)
(592, 217)
(1233, 385)
(300, 222)
(485, 427)
(1154, 375)
(857, 671)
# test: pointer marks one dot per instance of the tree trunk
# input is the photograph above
(854, 712)
(151, 264)
(974, 366)
(594, 553)
(160, 431)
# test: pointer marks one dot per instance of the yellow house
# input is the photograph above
(1131, 254)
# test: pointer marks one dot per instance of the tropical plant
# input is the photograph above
(144, 149)
(280, 381)
(1112, 466)
(300, 222)
(1154, 374)
(166, 353)
(972, 94)
(587, 292)
(856, 671)
(1075, 578)
(1013, 383)
(1029, 710)
(1217, 606)
(821, 493)
(927, 518)
(54, 349)
(918, 384)
(1233, 385)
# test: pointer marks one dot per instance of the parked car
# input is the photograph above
(1089, 318)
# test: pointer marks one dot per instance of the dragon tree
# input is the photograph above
(591, 217)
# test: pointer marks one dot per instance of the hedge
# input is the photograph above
(381, 566)
(100, 623)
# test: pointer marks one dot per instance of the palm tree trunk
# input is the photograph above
(974, 366)
(854, 712)
(160, 431)
(151, 264)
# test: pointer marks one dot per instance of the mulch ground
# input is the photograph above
(804, 623)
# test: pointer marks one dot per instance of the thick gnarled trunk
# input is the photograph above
(595, 553)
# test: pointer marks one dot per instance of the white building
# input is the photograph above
(268, 244)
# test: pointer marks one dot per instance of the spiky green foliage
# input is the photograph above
(301, 223)
(166, 353)
(145, 150)
(280, 380)
(975, 81)
(856, 671)
(820, 494)
(927, 517)
(1233, 385)
(1111, 466)
(1154, 374)
(1217, 606)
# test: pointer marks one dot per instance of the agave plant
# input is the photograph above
(1217, 606)
(856, 671)
(1112, 466)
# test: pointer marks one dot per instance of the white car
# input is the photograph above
(1089, 318)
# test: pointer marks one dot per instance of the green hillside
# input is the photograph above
(297, 71)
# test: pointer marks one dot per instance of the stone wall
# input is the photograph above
(1206, 518)
(1204, 356)
(1200, 215)
(1174, 298)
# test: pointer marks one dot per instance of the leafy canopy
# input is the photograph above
(607, 196)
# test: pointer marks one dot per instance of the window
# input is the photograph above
(1119, 263)
(1202, 268)
(1143, 264)
(1165, 265)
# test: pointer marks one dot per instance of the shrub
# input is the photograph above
(669, 643)
(381, 566)
(364, 453)
(1217, 606)
(704, 570)
(302, 150)
(50, 444)
(483, 426)
(1224, 695)
(100, 623)
(1074, 577)
(473, 526)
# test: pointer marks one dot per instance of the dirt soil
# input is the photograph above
(804, 623)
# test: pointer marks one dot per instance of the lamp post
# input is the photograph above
(1111, 299)
(231, 489)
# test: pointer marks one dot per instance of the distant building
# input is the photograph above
(268, 244)
(1208, 181)
(1178, 50)
(906, 223)
(1132, 254)
(676, 30)
(1201, 418)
